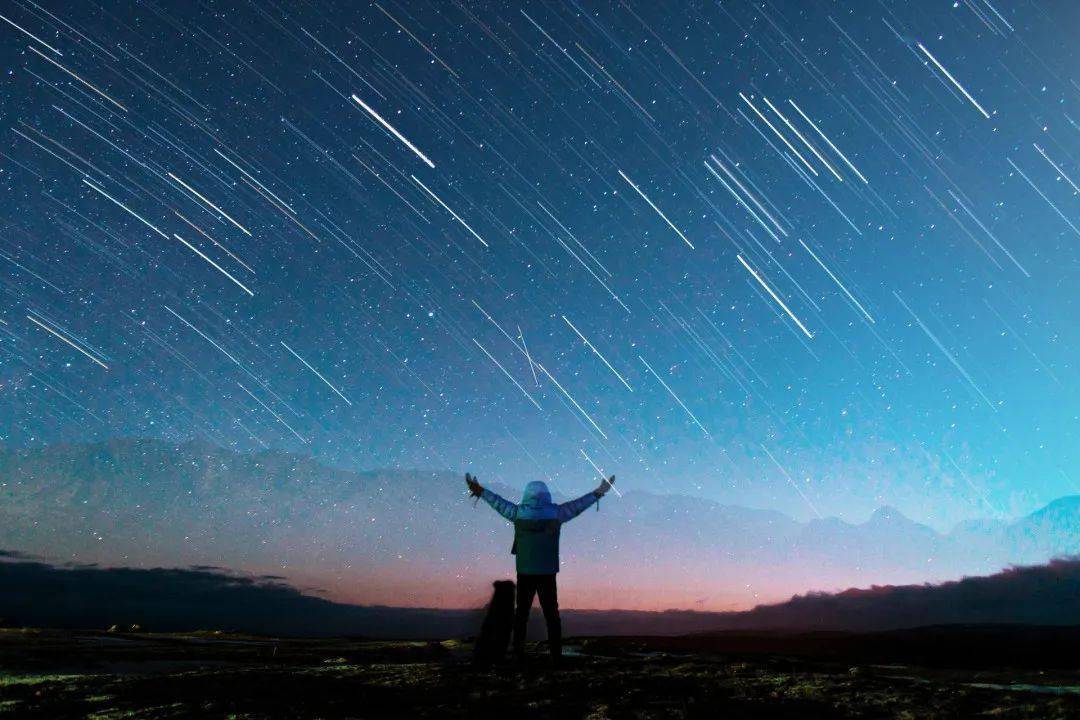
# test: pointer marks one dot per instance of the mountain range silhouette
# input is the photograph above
(407, 538)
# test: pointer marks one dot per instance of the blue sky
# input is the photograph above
(818, 257)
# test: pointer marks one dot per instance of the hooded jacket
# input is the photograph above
(537, 522)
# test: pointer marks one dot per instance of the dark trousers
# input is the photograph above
(544, 586)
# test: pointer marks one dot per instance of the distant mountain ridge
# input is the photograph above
(1035, 595)
(413, 538)
(36, 594)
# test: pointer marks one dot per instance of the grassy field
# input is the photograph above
(56, 674)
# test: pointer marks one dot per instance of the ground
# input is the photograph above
(57, 674)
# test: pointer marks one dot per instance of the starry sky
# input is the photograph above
(811, 256)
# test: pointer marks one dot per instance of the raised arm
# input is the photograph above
(570, 510)
(501, 505)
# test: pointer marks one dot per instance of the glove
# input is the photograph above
(604, 487)
(475, 488)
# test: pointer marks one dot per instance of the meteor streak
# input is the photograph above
(276, 416)
(571, 399)
(948, 355)
(775, 297)
(837, 281)
(779, 135)
(658, 210)
(317, 373)
(508, 375)
(224, 249)
(249, 177)
(99, 92)
(1044, 197)
(393, 131)
(55, 333)
(1055, 166)
(791, 481)
(830, 143)
(675, 397)
(749, 195)
(125, 208)
(447, 208)
(954, 81)
(805, 142)
(206, 337)
(32, 35)
(597, 353)
(196, 193)
(220, 269)
(417, 40)
(525, 348)
(603, 477)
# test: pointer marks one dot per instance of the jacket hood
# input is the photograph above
(536, 494)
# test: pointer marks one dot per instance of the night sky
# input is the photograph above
(811, 256)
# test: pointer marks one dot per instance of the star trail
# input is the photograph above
(812, 256)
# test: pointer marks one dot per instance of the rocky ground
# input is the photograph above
(57, 674)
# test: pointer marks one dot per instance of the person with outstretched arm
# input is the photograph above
(537, 522)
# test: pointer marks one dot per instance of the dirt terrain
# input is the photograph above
(57, 674)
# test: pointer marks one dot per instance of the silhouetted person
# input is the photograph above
(537, 522)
